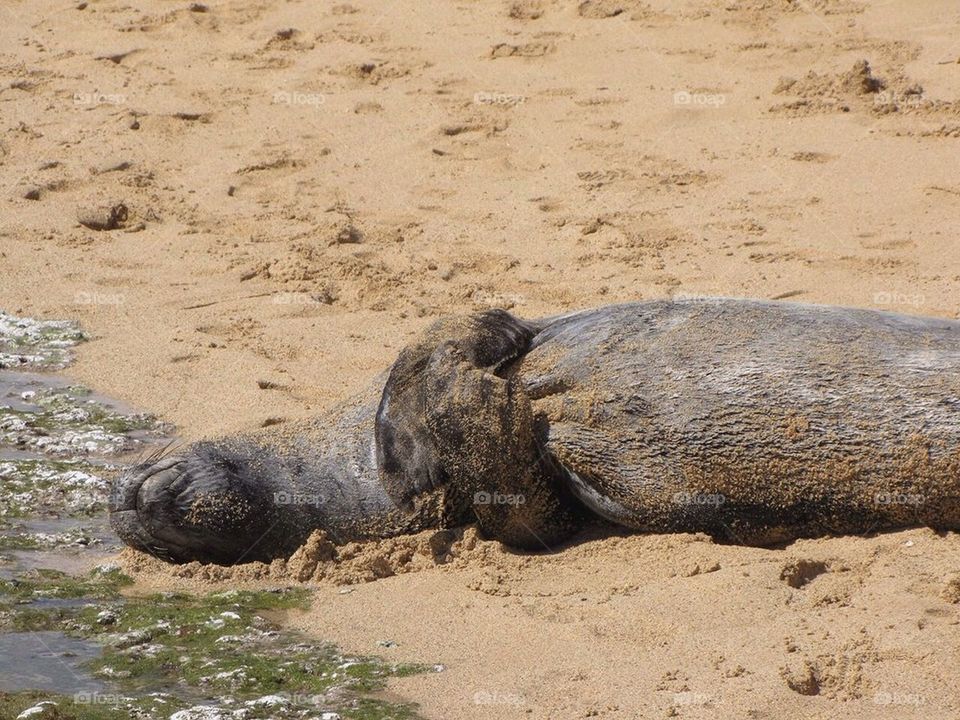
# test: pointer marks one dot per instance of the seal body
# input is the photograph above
(757, 422)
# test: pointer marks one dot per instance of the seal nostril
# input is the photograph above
(126, 489)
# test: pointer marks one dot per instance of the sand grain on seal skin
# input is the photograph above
(659, 128)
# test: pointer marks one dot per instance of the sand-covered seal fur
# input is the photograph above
(757, 422)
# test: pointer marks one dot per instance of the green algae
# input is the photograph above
(102, 583)
(36, 344)
(217, 645)
(66, 421)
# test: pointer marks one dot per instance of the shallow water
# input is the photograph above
(69, 558)
(59, 446)
(47, 661)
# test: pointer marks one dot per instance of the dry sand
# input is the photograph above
(309, 184)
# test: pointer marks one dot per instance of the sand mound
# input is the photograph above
(320, 561)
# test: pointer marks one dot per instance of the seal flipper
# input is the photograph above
(447, 422)
(408, 461)
(653, 496)
(594, 469)
(486, 437)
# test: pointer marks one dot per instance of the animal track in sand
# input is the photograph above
(525, 10)
(374, 72)
(839, 675)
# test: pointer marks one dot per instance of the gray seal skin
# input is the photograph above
(259, 495)
(757, 422)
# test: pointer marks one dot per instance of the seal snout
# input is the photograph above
(200, 504)
(159, 490)
(152, 509)
(151, 477)
(139, 496)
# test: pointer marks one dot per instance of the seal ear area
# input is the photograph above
(407, 459)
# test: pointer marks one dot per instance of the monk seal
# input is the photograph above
(756, 422)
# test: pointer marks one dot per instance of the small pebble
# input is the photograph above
(111, 166)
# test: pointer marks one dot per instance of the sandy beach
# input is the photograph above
(308, 185)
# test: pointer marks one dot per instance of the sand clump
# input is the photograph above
(318, 560)
(859, 88)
